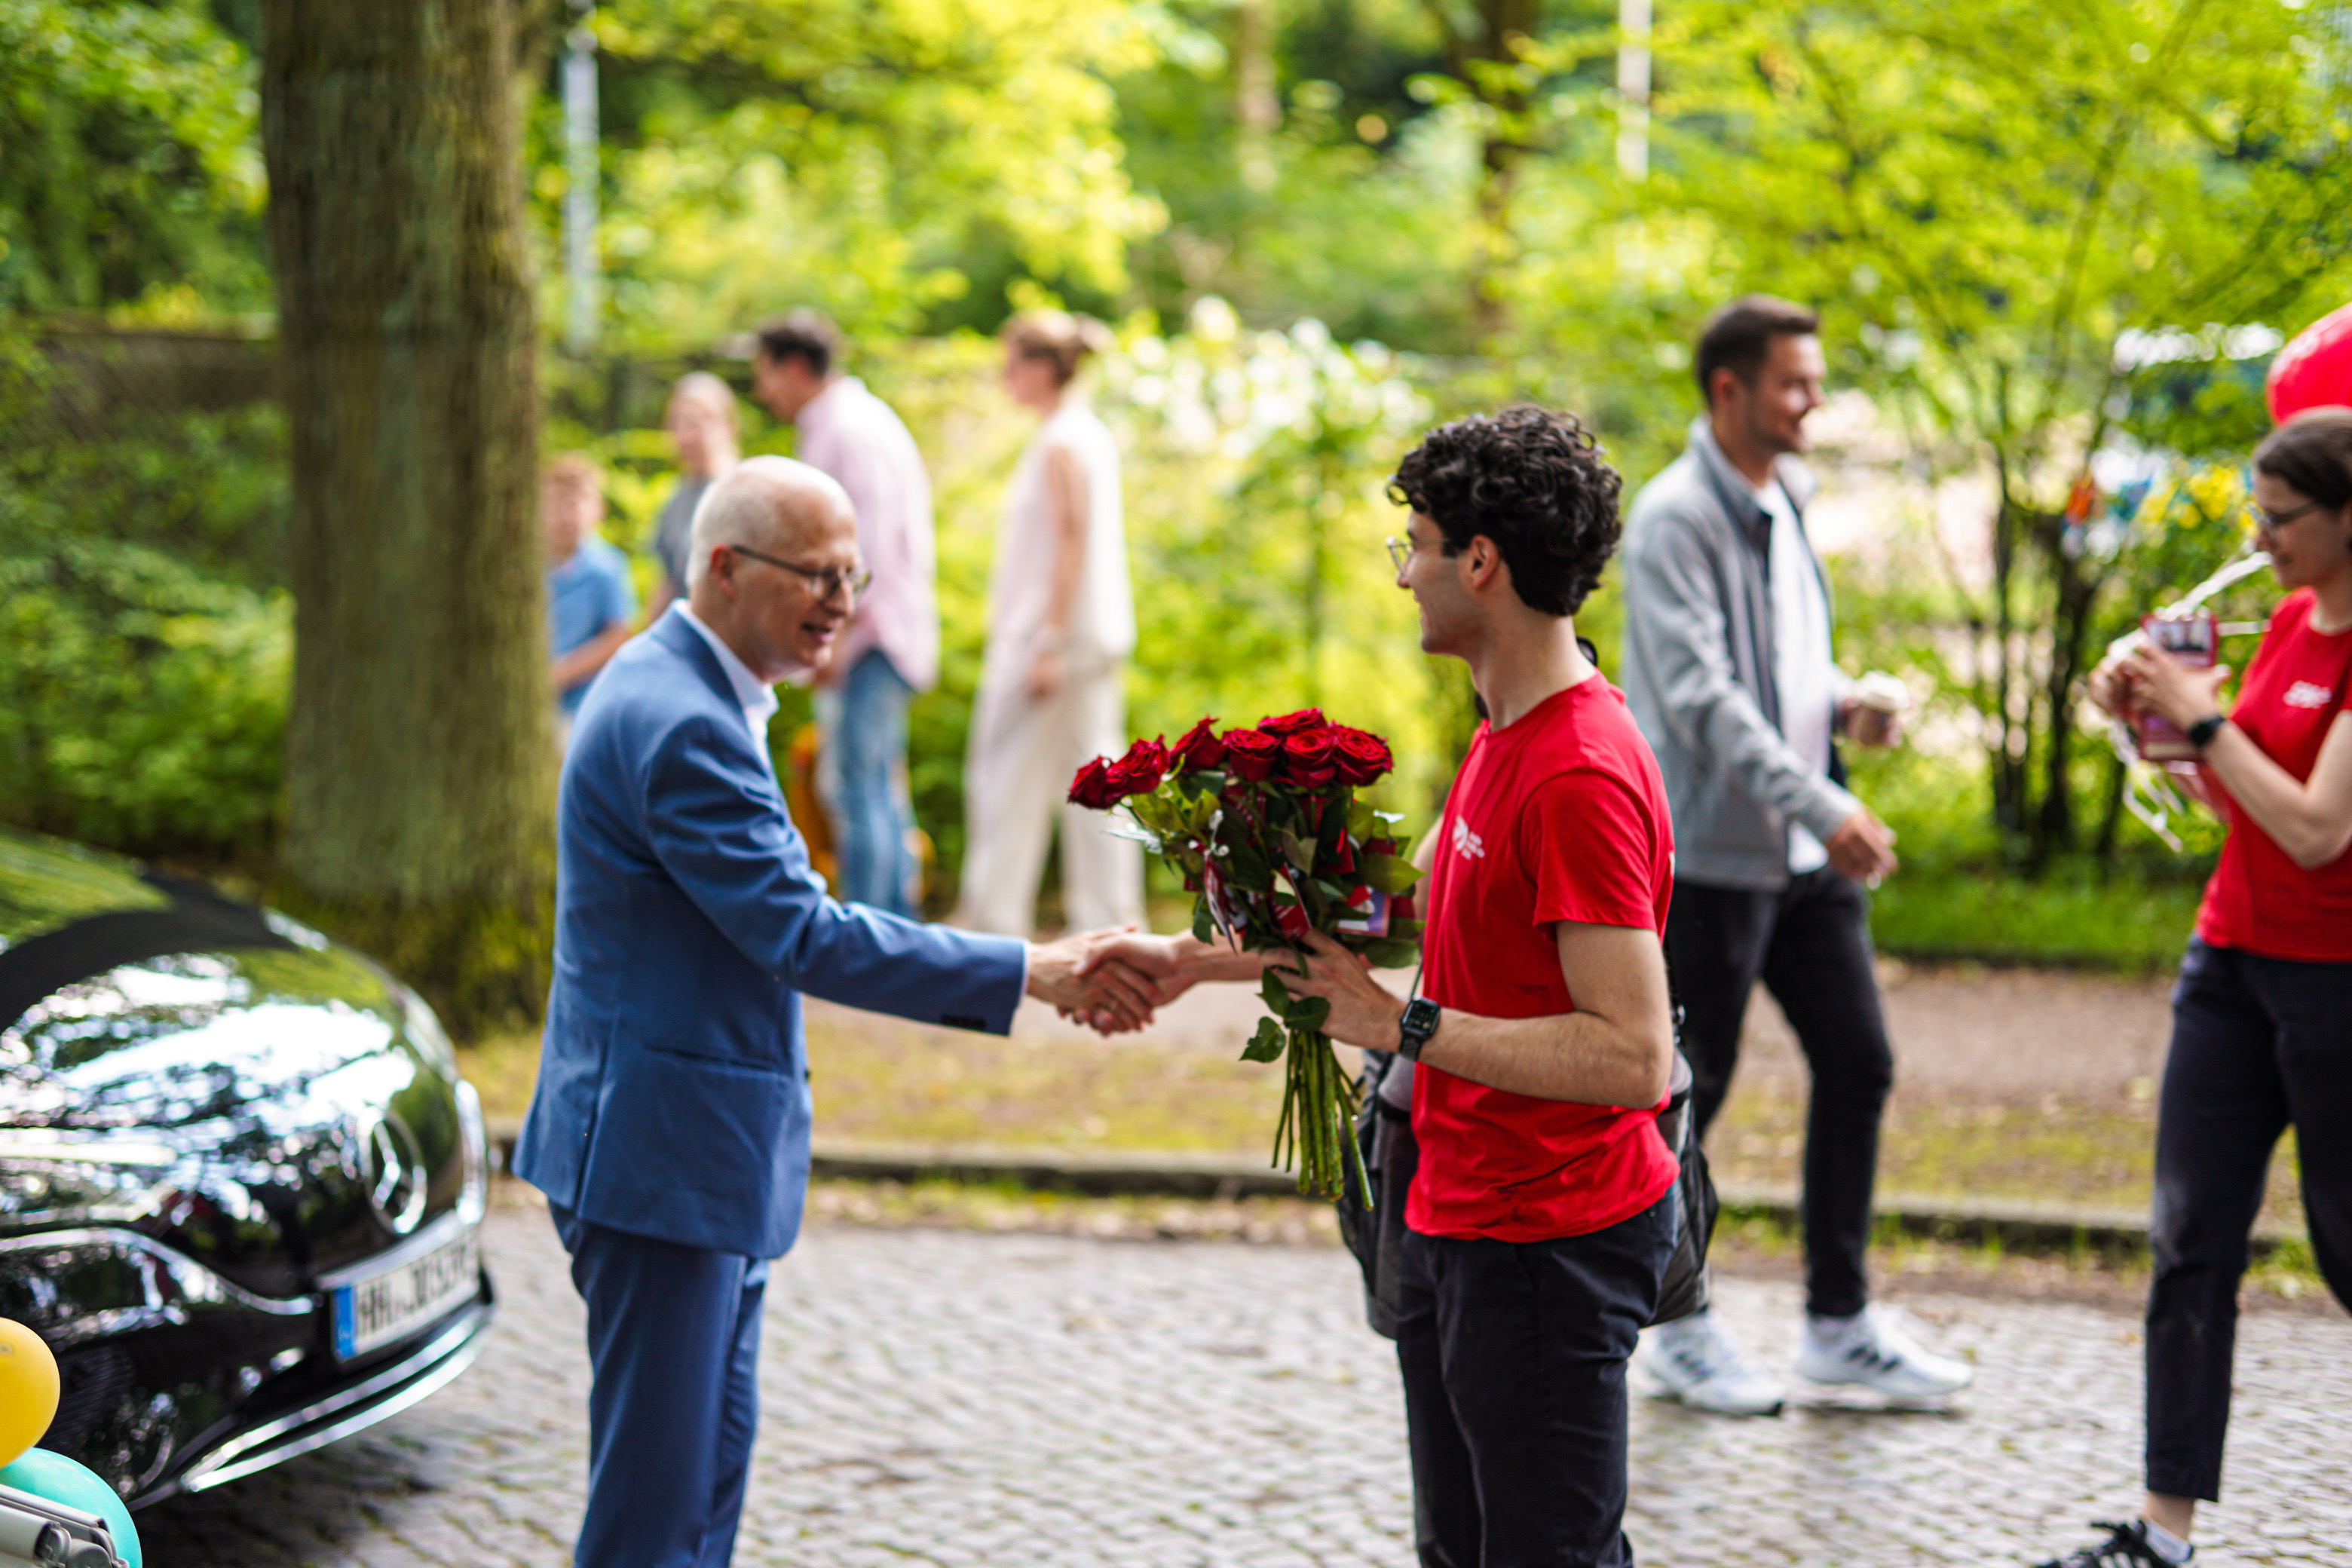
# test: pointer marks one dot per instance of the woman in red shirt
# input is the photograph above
(2261, 1032)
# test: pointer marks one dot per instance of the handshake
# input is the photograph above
(1112, 980)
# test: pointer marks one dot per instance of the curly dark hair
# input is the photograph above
(1535, 483)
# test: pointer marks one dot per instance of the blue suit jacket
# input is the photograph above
(673, 1082)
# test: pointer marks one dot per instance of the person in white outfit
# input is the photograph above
(1061, 624)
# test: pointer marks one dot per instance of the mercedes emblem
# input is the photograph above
(392, 1169)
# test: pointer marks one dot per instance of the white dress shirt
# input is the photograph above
(757, 697)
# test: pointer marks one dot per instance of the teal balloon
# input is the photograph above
(60, 1479)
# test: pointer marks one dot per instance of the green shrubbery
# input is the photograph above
(145, 637)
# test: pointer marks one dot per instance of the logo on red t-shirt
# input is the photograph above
(2308, 694)
(1466, 842)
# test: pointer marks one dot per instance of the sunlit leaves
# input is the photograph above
(129, 167)
(852, 155)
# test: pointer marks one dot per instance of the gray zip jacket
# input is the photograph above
(1699, 673)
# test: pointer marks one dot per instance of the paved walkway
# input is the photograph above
(938, 1397)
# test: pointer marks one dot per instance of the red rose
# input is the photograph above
(1092, 787)
(1139, 771)
(1199, 747)
(1251, 753)
(1292, 723)
(1360, 757)
(1306, 758)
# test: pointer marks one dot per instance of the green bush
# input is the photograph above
(147, 706)
(145, 636)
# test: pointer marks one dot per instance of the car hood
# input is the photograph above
(214, 1074)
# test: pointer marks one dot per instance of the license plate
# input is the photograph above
(385, 1307)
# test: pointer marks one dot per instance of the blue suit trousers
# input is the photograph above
(674, 1342)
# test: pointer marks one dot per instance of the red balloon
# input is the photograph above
(2315, 371)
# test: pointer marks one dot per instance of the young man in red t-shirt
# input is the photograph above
(1541, 1217)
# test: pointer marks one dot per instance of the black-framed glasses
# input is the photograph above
(2274, 520)
(827, 581)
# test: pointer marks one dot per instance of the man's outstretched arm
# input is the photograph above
(1616, 1048)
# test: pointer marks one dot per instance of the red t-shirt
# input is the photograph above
(1562, 817)
(2259, 900)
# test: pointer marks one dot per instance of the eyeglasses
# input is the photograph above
(825, 581)
(1401, 551)
(2272, 521)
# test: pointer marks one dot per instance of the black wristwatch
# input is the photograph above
(2200, 734)
(1420, 1021)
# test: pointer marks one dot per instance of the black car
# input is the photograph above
(241, 1181)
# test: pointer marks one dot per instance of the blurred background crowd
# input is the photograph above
(2054, 247)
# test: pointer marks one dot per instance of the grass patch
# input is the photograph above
(886, 1083)
(881, 1081)
(2096, 1155)
(2071, 917)
(502, 1070)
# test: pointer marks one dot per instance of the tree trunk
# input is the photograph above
(1484, 48)
(2075, 591)
(1257, 108)
(419, 755)
(2009, 748)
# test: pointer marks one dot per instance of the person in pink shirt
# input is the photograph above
(891, 648)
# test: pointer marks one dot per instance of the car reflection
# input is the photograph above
(213, 1120)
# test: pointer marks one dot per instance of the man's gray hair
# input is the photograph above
(702, 386)
(748, 508)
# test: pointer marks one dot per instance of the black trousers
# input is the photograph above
(1514, 1360)
(2257, 1043)
(1809, 943)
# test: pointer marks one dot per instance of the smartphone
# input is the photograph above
(2196, 641)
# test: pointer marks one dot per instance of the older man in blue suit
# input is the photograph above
(670, 1126)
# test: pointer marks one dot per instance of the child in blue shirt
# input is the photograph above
(589, 601)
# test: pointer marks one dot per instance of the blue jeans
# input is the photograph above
(871, 819)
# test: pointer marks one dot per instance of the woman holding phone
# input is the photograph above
(2261, 1032)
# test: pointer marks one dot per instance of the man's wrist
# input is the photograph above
(2201, 733)
(1416, 1021)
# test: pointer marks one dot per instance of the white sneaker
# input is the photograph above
(1873, 1349)
(1691, 1359)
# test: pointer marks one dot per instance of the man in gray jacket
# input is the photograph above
(1728, 672)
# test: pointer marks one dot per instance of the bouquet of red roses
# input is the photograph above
(1264, 826)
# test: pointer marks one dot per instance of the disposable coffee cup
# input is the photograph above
(1879, 702)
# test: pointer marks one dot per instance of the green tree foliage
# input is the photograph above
(145, 633)
(1340, 194)
(872, 157)
(1985, 203)
(131, 172)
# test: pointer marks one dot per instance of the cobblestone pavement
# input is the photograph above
(943, 1398)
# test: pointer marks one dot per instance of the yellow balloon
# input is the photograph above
(28, 1389)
